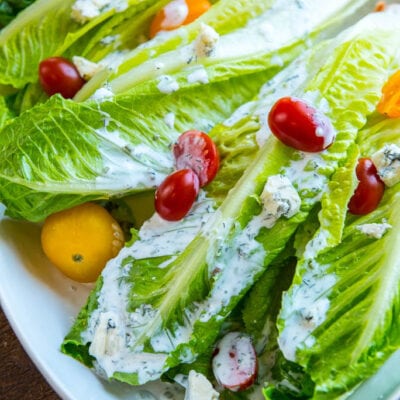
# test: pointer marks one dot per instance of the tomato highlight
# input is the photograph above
(59, 75)
(235, 362)
(175, 196)
(197, 151)
(299, 125)
(369, 191)
(176, 14)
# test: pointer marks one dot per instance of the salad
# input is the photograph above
(264, 136)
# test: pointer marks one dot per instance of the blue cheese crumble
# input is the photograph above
(206, 42)
(279, 198)
(199, 388)
(86, 68)
(387, 163)
(374, 230)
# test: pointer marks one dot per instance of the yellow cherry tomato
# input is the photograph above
(178, 13)
(79, 241)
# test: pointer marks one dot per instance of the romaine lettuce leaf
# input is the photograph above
(356, 293)
(349, 293)
(247, 48)
(167, 311)
(46, 29)
(63, 153)
(5, 112)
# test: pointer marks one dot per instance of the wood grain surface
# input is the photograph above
(19, 378)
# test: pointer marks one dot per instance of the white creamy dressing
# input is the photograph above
(159, 237)
(306, 305)
(305, 174)
(113, 60)
(233, 266)
(265, 32)
(112, 329)
(102, 94)
(169, 119)
(86, 10)
(126, 166)
(305, 309)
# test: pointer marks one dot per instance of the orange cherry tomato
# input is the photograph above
(79, 241)
(178, 13)
(389, 103)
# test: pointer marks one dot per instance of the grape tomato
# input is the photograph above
(59, 75)
(369, 191)
(299, 125)
(235, 362)
(175, 196)
(195, 150)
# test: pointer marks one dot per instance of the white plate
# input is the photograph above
(41, 304)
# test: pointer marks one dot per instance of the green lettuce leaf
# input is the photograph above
(359, 280)
(5, 112)
(62, 153)
(241, 48)
(25, 41)
(356, 291)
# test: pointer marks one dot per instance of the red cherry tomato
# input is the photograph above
(299, 125)
(176, 194)
(235, 362)
(369, 191)
(197, 151)
(177, 13)
(59, 75)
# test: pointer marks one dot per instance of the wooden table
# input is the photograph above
(19, 378)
